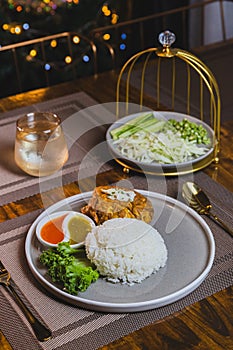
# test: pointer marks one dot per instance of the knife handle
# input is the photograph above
(221, 223)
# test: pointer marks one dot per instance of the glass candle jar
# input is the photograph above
(40, 145)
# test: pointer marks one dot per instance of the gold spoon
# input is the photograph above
(196, 198)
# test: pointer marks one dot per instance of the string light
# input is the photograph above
(39, 6)
(104, 8)
(76, 39)
(15, 28)
(33, 53)
(122, 47)
(53, 43)
(68, 59)
(29, 58)
(5, 26)
(106, 11)
(47, 66)
(114, 19)
(19, 8)
(34, 57)
(86, 58)
(106, 36)
(61, 57)
(18, 30)
(26, 26)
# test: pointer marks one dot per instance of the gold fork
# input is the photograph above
(41, 332)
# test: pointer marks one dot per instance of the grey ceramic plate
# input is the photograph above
(190, 247)
(159, 168)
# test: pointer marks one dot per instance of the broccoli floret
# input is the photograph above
(78, 277)
(65, 249)
(75, 273)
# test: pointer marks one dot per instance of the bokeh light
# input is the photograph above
(76, 39)
(53, 43)
(68, 59)
(5, 26)
(106, 36)
(114, 19)
(39, 6)
(18, 30)
(86, 58)
(47, 66)
(106, 11)
(26, 26)
(33, 53)
(19, 8)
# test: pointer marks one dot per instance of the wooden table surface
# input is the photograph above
(207, 324)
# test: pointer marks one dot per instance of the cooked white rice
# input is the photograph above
(126, 250)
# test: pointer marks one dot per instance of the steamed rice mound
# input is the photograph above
(126, 250)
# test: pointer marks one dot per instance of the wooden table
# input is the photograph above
(207, 324)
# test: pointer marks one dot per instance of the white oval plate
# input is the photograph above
(191, 250)
(159, 167)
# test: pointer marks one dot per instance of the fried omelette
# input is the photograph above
(108, 202)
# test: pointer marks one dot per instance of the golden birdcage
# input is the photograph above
(178, 82)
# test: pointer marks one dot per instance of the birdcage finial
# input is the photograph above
(166, 38)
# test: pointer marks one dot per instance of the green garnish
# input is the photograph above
(148, 123)
(190, 131)
(75, 273)
(145, 122)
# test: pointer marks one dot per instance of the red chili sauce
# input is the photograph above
(51, 232)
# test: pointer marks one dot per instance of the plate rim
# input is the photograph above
(132, 306)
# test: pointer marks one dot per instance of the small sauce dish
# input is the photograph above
(64, 226)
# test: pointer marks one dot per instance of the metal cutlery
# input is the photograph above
(196, 198)
(42, 333)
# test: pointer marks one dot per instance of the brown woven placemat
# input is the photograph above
(76, 328)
